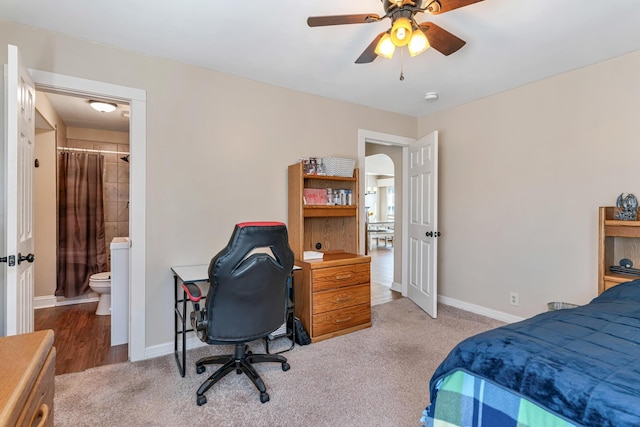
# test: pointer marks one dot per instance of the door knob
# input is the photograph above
(28, 258)
(429, 233)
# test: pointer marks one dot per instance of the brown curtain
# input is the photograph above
(81, 242)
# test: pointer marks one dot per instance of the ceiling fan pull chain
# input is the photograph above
(401, 65)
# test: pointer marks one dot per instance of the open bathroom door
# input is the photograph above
(19, 119)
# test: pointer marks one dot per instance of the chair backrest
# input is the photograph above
(248, 292)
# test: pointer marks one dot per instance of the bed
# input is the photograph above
(570, 367)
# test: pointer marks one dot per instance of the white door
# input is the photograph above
(423, 223)
(19, 139)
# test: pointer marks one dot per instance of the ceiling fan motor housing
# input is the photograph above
(428, 5)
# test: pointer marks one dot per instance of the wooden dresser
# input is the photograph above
(27, 369)
(333, 295)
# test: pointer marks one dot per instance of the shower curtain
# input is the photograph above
(81, 241)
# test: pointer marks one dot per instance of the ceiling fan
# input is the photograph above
(404, 31)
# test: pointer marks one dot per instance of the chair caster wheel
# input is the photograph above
(238, 371)
(199, 370)
(203, 399)
(285, 366)
(264, 397)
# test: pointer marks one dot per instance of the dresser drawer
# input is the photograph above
(337, 320)
(336, 277)
(38, 410)
(341, 298)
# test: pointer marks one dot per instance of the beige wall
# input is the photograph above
(218, 147)
(522, 175)
(45, 195)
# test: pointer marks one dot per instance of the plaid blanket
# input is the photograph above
(464, 400)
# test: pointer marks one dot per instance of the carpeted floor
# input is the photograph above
(375, 377)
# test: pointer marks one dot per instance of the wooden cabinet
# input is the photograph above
(27, 369)
(616, 240)
(333, 294)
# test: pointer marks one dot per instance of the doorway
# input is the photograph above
(67, 124)
(395, 147)
(136, 99)
(379, 201)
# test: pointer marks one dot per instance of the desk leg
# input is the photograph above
(179, 318)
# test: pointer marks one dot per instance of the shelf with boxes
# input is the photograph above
(328, 196)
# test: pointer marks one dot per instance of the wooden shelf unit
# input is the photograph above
(333, 227)
(616, 240)
(333, 294)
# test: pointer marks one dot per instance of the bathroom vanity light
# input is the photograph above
(103, 107)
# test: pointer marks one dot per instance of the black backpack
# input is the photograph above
(302, 337)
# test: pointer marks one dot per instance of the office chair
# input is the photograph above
(247, 300)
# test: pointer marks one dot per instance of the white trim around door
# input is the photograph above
(368, 136)
(137, 99)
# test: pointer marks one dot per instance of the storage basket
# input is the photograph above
(338, 166)
(556, 305)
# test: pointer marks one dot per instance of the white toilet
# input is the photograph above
(100, 283)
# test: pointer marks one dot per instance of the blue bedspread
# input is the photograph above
(582, 364)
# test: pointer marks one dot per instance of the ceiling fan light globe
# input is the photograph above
(418, 43)
(401, 31)
(385, 47)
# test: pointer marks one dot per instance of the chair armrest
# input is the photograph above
(193, 291)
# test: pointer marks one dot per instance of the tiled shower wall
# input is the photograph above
(116, 187)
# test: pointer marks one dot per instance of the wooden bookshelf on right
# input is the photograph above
(618, 241)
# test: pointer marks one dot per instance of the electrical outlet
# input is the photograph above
(514, 299)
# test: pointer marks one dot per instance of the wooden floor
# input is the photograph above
(382, 275)
(81, 337)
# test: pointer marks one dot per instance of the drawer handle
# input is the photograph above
(41, 416)
(344, 276)
(343, 299)
(344, 319)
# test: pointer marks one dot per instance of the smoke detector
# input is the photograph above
(431, 96)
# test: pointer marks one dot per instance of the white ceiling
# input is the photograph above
(509, 43)
(76, 112)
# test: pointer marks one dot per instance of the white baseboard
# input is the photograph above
(167, 348)
(44, 302)
(193, 342)
(53, 301)
(478, 309)
(395, 286)
(79, 300)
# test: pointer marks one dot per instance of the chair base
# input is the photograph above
(241, 362)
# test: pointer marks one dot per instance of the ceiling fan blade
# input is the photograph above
(440, 39)
(321, 21)
(447, 5)
(369, 53)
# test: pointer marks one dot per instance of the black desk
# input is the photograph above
(184, 274)
(200, 273)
